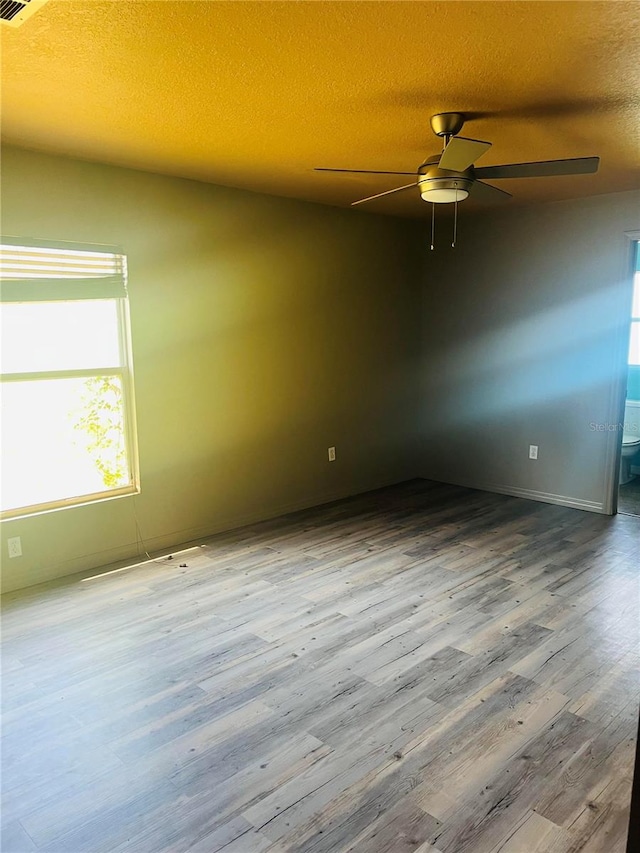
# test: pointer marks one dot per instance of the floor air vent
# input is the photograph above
(16, 12)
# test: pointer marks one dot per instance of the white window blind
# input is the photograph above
(42, 274)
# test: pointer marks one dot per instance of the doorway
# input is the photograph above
(629, 475)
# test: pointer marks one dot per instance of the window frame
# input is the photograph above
(124, 371)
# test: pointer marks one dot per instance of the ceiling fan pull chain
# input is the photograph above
(455, 220)
(433, 225)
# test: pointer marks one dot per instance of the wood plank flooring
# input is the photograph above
(423, 668)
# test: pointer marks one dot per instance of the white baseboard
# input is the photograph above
(530, 494)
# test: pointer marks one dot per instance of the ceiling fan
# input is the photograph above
(452, 176)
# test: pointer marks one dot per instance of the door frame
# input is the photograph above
(619, 384)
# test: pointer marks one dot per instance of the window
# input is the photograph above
(68, 426)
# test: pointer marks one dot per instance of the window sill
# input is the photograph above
(68, 503)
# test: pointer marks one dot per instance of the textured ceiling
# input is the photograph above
(255, 95)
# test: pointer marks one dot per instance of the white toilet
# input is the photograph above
(630, 450)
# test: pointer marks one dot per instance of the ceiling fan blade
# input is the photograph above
(541, 169)
(379, 195)
(362, 171)
(461, 153)
(487, 194)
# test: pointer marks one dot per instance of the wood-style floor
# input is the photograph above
(424, 668)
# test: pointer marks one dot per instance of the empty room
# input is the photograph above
(320, 441)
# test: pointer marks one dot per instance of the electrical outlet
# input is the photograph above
(332, 454)
(533, 451)
(14, 546)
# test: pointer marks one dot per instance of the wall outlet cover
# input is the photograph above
(14, 546)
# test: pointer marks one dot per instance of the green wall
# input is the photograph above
(525, 341)
(264, 331)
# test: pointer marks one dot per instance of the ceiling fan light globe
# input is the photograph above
(441, 188)
(443, 195)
